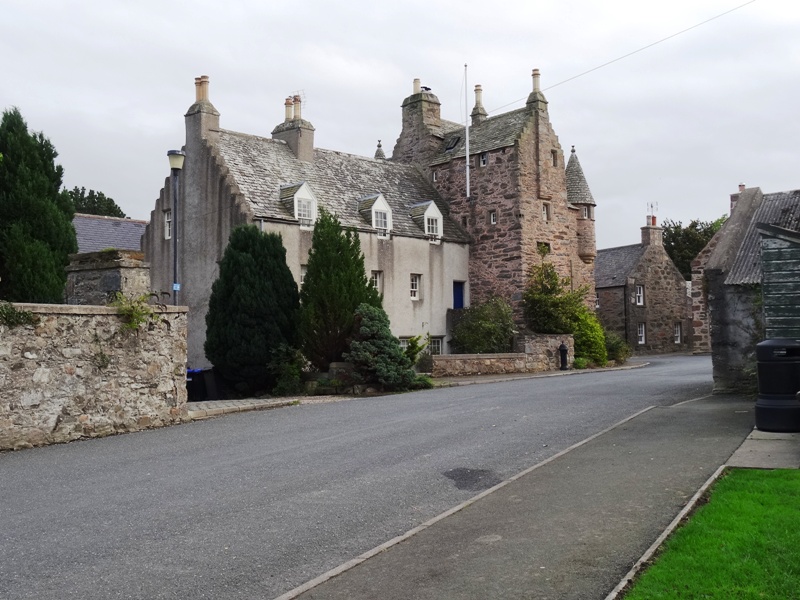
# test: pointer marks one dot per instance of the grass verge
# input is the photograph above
(743, 543)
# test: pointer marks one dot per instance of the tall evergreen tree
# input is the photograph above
(335, 285)
(94, 203)
(683, 244)
(36, 233)
(252, 310)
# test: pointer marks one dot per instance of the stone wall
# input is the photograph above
(534, 354)
(78, 373)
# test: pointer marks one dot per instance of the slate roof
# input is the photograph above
(97, 233)
(781, 209)
(261, 166)
(495, 132)
(578, 191)
(612, 265)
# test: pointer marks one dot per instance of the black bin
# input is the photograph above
(777, 407)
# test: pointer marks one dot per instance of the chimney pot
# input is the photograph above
(417, 86)
(201, 88)
(741, 187)
(535, 75)
(289, 106)
(297, 103)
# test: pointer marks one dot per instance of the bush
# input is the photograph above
(580, 363)
(548, 306)
(422, 382)
(375, 353)
(590, 342)
(484, 328)
(618, 349)
(286, 367)
(415, 348)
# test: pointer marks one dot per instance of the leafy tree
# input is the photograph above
(484, 328)
(252, 310)
(94, 203)
(335, 285)
(36, 233)
(375, 353)
(683, 244)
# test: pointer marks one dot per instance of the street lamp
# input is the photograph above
(175, 164)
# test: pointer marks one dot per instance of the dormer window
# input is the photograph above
(451, 145)
(376, 211)
(301, 202)
(429, 218)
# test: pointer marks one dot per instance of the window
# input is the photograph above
(596, 301)
(305, 212)
(464, 221)
(432, 226)
(483, 159)
(554, 156)
(585, 212)
(435, 346)
(641, 333)
(678, 332)
(404, 343)
(167, 224)
(303, 271)
(416, 284)
(543, 248)
(546, 211)
(451, 145)
(435, 175)
(381, 221)
(493, 217)
(376, 279)
(639, 295)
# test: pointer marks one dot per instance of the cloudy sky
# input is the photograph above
(680, 123)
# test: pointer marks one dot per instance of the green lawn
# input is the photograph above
(744, 543)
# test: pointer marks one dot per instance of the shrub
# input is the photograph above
(618, 349)
(547, 304)
(376, 354)
(415, 348)
(10, 316)
(580, 363)
(484, 328)
(422, 382)
(286, 366)
(590, 342)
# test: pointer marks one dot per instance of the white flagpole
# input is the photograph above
(466, 127)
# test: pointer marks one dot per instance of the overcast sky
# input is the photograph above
(679, 124)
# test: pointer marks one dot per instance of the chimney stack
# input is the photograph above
(652, 234)
(735, 197)
(297, 133)
(479, 113)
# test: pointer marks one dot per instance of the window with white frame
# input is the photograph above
(376, 279)
(305, 212)
(381, 219)
(416, 286)
(493, 217)
(546, 211)
(483, 159)
(167, 224)
(435, 345)
(596, 301)
(432, 226)
(641, 333)
(639, 295)
(403, 342)
(303, 271)
(678, 332)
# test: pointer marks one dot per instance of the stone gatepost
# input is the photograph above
(94, 277)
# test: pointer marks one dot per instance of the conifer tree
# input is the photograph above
(94, 203)
(335, 285)
(252, 310)
(36, 233)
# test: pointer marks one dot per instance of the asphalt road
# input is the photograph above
(251, 505)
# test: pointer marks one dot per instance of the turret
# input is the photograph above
(580, 196)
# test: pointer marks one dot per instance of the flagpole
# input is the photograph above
(466, 127)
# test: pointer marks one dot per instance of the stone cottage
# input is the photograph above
(430, 243)
(641, 295)
(728, 316)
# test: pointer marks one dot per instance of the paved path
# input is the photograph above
(570, 528)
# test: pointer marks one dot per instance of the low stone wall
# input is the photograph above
(79, 373)
(535, 354)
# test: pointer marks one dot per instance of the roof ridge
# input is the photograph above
(124, 219)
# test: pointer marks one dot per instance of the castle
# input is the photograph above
(430, 243)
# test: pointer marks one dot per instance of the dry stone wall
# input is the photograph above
(78, 373)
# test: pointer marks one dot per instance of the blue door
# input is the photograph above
(458, 294)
